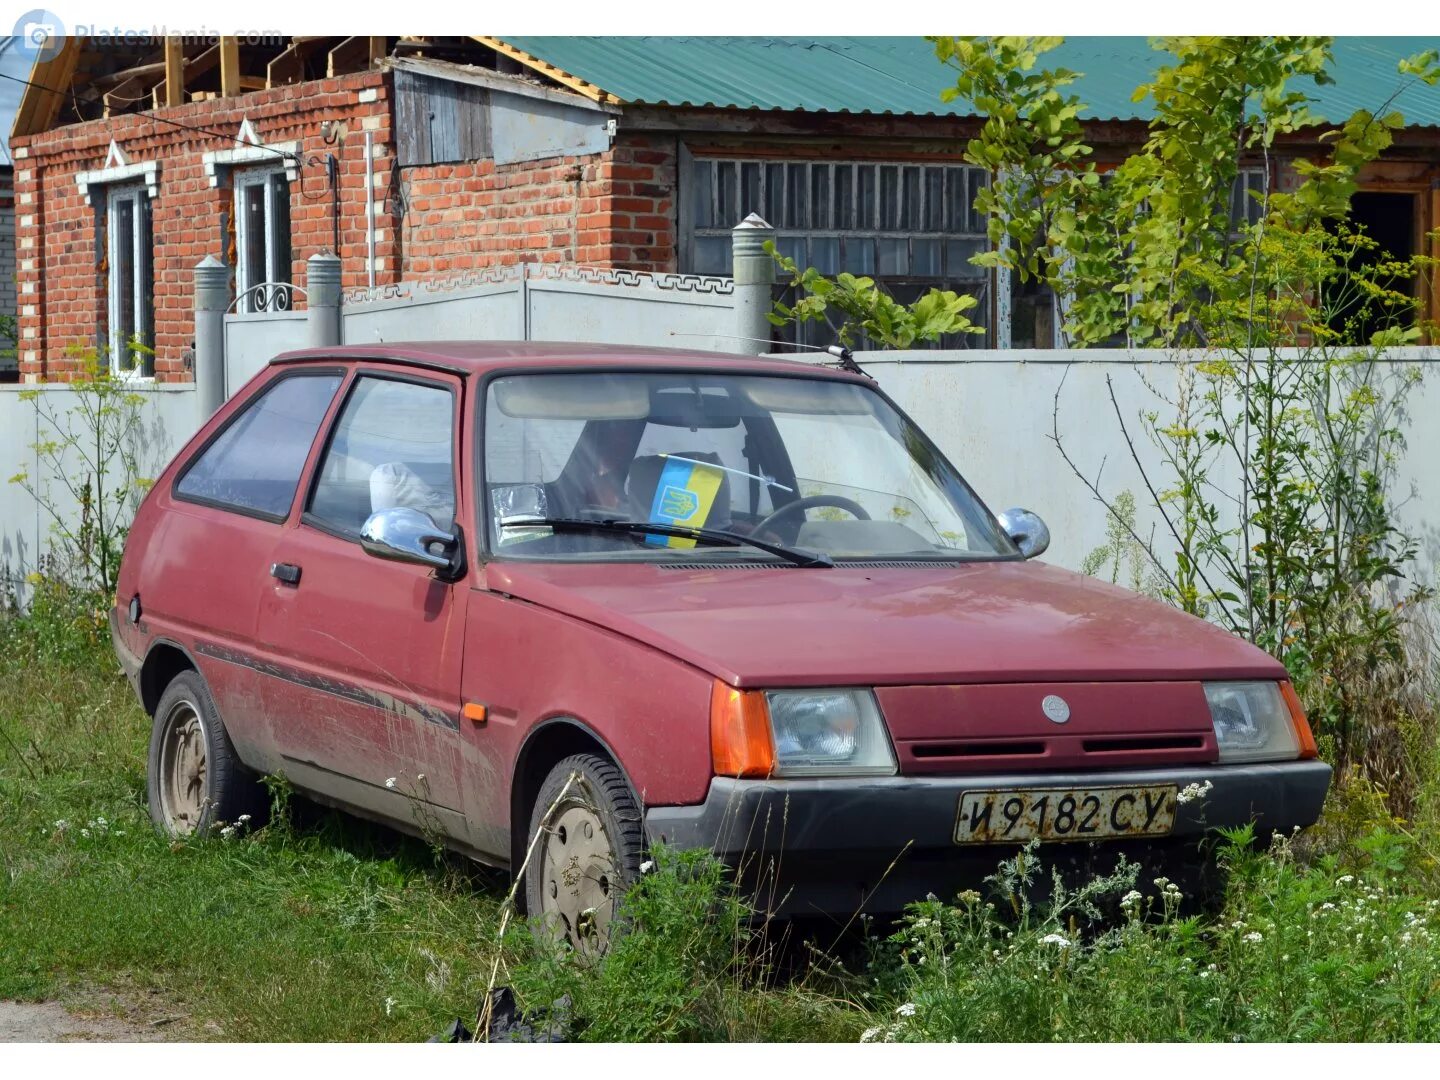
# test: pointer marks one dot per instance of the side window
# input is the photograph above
(393, 446)
(255, 464)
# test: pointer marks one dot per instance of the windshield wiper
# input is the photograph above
(720, 537)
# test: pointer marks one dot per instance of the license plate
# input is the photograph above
(999, 817)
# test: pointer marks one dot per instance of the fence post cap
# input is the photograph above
(754, 221)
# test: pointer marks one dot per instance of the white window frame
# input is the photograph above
(248, 177)
(114, 194)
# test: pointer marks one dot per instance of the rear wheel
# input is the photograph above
(194, 777)
(587, 840)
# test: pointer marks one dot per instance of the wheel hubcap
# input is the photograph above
(183, 792)
(576, 873)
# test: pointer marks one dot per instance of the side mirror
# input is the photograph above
(1027, 530)
(404, 534)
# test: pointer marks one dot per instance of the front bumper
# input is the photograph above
(833, 846)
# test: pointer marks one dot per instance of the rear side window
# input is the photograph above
(394, 445)
(254, 465)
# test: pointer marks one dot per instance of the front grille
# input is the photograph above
(978, 749)
(1129, 744)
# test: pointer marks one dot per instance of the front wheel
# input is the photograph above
(588, 840)
(194, 778)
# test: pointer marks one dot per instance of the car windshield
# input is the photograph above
(819, 465)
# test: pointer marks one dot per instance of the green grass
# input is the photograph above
(336, 930)
(333, 931)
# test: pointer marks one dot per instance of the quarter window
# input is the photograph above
(131, 300)
(393, 446)
(262, 239)
(254, 465)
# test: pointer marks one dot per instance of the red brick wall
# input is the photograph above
(62, 298)
(610, 209)
(615, 208)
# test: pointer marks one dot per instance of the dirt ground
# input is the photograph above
(97, 1016)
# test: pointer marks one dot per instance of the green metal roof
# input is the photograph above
(900, 76)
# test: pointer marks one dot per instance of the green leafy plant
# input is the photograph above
(87, 475)
(865, 310)
(1279, 435)
(1122, 555)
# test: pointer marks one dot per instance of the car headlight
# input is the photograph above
(1257, 721)
(798, 733)
(823, 732)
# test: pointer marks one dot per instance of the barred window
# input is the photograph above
(910, 226)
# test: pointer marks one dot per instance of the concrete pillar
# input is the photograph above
(754, 273)
(212, 298)
(322, 298)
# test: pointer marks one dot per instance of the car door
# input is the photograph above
(209, 555)
(367, 706)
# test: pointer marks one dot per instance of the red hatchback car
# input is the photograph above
(555, 602)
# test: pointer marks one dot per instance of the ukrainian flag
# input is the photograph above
(683, 496)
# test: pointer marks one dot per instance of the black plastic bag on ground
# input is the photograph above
(506, 1023)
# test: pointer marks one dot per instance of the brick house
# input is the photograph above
(422, 159)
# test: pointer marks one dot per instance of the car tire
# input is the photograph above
(193, 776)
(586, 841)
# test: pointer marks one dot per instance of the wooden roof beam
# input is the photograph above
(550, 71)
(289, 66)
(174, 81)
(137, 85)
(356, 54)
(166, 93)
(50, 82)
(229, 67)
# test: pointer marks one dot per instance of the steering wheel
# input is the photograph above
(799, 506)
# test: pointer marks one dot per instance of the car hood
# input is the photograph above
(980, 622)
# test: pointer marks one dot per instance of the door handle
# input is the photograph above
(289, 573)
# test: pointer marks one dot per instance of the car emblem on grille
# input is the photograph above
(1055, 707)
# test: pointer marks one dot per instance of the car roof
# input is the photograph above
(481, 357)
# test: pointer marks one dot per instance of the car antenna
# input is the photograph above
(844, 358)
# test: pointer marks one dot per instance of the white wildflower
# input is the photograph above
(1058, 940)
(1327, 906)
(647, 866)
(1344, 879)
(868, 1035)
(390, 1004)
(1191, 792)
(1130, 899)
(1254, 937)
(61, 824)
(390, 782)
(227, 832)
(85, 833)
(243, 819)
(908, 1009)
(1204, 974)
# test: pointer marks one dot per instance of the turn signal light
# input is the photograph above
(1297, 717)
(740, 740)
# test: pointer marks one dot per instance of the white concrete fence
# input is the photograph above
(991, 412)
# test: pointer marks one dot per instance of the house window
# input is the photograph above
(131, 323)
(910, 226)
(262, 240)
